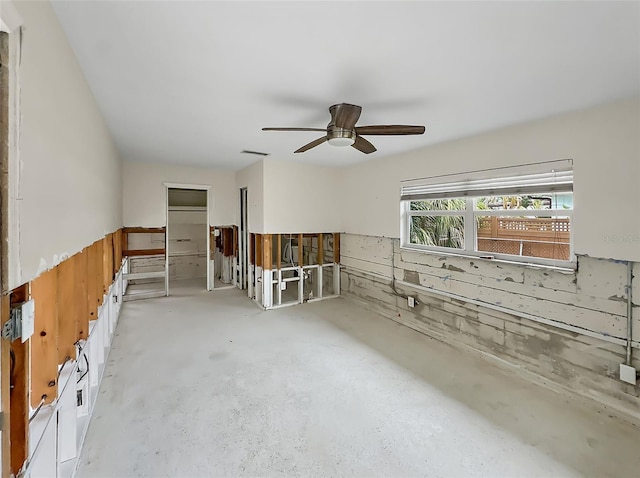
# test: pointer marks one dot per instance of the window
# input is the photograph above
(519, 217)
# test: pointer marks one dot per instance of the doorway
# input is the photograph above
(187, 239)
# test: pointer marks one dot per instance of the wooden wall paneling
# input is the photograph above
(44, 344)
(19, 406)
(67, 310)
(81, 264)
(336, 247)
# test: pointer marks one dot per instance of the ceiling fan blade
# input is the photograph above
(363, 145)
(310, 145)
(345, 115)
(322, 130)
(390, 129)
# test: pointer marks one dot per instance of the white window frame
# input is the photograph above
(470, 214)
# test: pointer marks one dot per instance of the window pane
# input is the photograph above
(529, 236)
(534, 202)
(442, 231)
(439, 205)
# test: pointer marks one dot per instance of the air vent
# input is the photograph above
(246, 151)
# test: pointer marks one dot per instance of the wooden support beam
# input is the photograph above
(320, 249)
(336, 247)
(259, 250)
(267, 250)
(279, 252)
(83, 310)
(300, 250)
(144, 252)
(44, 345)
(68, 308)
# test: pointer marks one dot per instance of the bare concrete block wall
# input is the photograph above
(575, 332)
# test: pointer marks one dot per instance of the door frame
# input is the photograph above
(201, 187)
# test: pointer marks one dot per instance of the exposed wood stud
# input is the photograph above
(259, 250)
(80, 262)
(252, 249)
(5, 385)
(336, 247)
(279, 252)
(44, 346)
(267, 251)
(68, 306)
(99, 284)
(91, 278)
(300, 250)
(320, 249)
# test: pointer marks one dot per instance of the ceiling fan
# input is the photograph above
(342, 130)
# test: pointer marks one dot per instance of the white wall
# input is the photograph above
(144, 197)
(604, 143)
(69, 192)
(252, 178)
(300, 197)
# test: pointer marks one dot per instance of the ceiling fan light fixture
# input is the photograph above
(342, 141)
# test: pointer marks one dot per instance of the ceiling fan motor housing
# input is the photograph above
(340, 136)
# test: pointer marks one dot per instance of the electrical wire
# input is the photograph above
(86, 371)
(66, 359)
(35, 414)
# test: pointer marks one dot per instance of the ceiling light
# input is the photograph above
(342, 141)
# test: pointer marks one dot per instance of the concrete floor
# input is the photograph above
(205, 384)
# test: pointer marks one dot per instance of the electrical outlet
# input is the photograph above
(283, 286)
(411, 301)
(628, 374)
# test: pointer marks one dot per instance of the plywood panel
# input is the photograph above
(44, 347)
(80, 264)
(67, 313)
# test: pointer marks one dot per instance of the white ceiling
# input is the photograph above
(194, 82)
